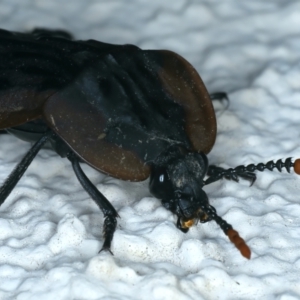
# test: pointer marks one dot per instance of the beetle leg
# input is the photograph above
(109, 212)
(214, 173)
(221, 97)
(248, 176)
(217, 173)
(19, 170)
(48, 33)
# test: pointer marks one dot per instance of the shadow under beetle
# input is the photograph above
(127, 112)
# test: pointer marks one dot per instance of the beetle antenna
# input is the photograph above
(247, 172)
(22, 166)
(232, 234)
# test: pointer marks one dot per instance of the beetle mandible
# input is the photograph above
(127, 112)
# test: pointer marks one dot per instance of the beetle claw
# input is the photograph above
(253, 180)
(105, 249)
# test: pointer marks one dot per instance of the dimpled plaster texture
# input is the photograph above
(51, 231)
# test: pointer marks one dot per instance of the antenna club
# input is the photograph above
(297, 166)
(239, 243)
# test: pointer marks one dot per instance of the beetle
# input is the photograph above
(127, 112)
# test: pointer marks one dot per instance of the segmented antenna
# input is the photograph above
(271, 165)
(232, 234)
(247, 172)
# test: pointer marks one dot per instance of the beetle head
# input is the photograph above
(177, 179)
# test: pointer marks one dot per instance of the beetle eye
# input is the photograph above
(161, 178)
(160, 184)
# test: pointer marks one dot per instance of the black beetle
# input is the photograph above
(127, 112)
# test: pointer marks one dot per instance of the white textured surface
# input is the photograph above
(51, 230)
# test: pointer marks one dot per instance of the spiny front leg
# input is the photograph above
(216, 173)
(109, 212)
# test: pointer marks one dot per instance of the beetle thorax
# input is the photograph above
(188, 169)
(183, 166)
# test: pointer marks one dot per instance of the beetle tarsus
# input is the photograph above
(110, 224)
(22, 166)
(110, 214)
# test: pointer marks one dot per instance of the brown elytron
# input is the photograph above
(79, 115)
